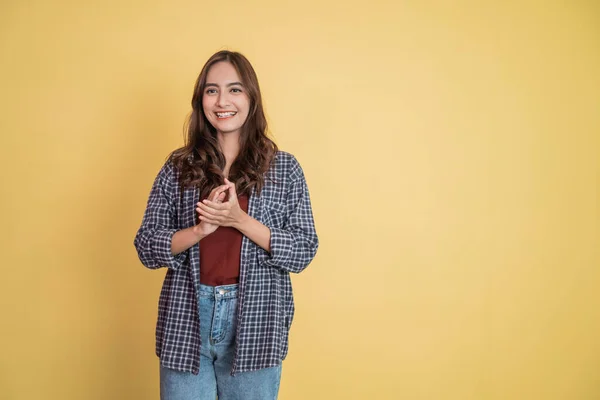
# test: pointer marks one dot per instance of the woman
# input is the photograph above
(229, 217)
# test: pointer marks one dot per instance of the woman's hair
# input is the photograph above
(201, 162)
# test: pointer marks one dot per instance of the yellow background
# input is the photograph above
(451, 150)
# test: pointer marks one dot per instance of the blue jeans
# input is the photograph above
(217, 308)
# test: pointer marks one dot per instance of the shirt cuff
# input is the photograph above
(162, 249)
(281, 246)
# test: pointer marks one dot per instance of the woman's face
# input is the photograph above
(225, 101)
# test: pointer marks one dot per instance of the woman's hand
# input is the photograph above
(226, 213)
(217, 195)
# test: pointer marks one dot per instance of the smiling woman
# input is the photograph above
(224, 101)
(227, 304)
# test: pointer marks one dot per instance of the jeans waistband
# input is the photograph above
(221, 292)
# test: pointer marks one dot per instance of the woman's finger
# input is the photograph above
(214, 205)
(216, 192)
(211, 210)
(217, 198)
(206, 212)
(208, 220)
(220, 188)
(233, 197)
(231, 186)
(220, 197)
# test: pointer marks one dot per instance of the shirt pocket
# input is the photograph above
(276, 214)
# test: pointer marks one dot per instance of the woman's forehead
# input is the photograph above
(222, 73)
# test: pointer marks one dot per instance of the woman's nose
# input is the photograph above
(222, 100)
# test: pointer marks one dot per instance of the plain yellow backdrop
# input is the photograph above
(451, 151)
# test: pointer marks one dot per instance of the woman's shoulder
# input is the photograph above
(168, 168)
(286, 164)
(168, 173)
(173, 161)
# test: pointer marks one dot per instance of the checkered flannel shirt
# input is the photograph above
(265, 302)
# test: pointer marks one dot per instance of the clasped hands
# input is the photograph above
(214, 212)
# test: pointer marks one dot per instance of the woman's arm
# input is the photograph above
(255, 231)
(291, 247)
(153, 239)
(230, 214)
(158, 241)
(186, 238)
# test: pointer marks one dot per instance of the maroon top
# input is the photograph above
(220, 254)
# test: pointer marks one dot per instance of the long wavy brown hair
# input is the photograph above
(201, 162)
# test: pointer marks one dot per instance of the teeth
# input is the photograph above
(227, 114)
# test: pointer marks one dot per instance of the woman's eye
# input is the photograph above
(236, 90)
(210, 91)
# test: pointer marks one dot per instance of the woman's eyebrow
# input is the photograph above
(228, 85)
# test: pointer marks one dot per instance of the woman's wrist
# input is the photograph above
(198, 232)
(255, 231)
(242, 222)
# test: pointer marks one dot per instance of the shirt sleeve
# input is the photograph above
(295, 245)
(153, 239)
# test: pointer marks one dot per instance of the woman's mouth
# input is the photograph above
(225, 115)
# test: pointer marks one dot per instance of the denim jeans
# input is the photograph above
(217, 308)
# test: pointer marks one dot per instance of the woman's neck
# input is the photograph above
(230, 146)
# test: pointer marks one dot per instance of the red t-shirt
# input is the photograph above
(220, 254)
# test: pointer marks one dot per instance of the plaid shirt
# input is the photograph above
(265, 302)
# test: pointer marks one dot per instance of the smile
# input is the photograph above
(223, 115)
